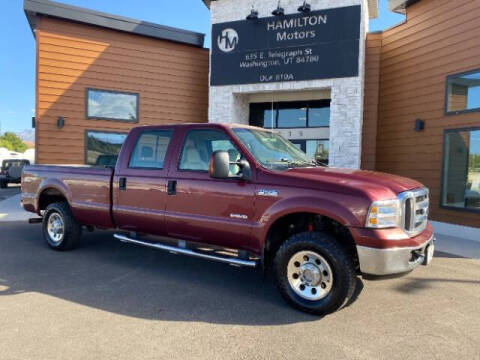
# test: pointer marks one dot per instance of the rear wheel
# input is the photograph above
(314, 273)
(60, 229)
(3, 184)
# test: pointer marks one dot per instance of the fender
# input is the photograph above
(348, 213)
(52, 183)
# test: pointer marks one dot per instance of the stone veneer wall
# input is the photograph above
(231, 104)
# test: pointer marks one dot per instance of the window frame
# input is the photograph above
(442, 182)
(276, 108)
(137, 140)
(453, 76)
(185, 136)
(99, 132)
(137, 105)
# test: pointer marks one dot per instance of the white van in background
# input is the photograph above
(6, 154)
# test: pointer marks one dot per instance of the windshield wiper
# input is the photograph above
(295, 164)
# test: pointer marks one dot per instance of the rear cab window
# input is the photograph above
(150, 150)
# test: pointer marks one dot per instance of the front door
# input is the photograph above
(140, 183)
(203, 209)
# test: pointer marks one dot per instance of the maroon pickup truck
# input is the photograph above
(244, 196)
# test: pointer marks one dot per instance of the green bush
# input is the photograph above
(12, 142)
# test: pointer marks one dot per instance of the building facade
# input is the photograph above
(404, 101)
(99, 75)
(332, 102)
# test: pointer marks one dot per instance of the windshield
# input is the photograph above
(272, 150)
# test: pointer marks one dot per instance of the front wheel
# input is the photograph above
(314, 273)
(60, 229)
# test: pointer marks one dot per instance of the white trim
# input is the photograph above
(459, 231)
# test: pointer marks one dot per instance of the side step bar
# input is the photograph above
(184, 251)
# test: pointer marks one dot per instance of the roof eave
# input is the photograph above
(400, 6)
(34, 8)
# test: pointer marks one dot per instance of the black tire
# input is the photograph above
(3, 184)
(340, 262)
(72, 231)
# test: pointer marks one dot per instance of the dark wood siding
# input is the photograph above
(171, 80)
(370, 109)
(440, 37)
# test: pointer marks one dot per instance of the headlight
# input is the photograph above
(384, 214)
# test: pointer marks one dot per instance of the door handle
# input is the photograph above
(122, 183)
(172, 187)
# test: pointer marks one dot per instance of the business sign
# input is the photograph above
(318, 45)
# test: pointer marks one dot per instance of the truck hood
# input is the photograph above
(377, 185)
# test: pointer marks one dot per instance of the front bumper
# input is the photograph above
(389, 261)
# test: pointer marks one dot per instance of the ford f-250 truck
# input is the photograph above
(244, 196)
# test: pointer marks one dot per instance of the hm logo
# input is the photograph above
(227, 40)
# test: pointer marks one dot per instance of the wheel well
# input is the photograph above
(49, 196)
(292, 224)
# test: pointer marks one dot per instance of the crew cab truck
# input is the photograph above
(244, 196)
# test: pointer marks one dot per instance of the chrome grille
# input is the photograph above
(414, 210)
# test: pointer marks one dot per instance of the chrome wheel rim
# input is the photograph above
(309, 275)
(55, 228)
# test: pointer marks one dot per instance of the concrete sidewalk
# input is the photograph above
(11, 210)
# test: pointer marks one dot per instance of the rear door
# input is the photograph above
(203, 209)
(140, 181)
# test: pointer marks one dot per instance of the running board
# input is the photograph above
(184, 251)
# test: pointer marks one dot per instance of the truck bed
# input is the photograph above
(87, 189)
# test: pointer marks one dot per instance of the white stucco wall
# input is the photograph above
(231, 103)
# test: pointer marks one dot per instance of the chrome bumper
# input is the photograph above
(391, 261)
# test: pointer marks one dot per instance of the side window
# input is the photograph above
(199, 145)
(151, 149)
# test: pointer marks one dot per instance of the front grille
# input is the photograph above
(415, 210)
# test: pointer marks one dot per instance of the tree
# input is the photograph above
(12, 142)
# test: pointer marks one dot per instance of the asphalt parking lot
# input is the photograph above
(13, 189)
(115, 301)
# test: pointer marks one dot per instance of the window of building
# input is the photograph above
(296, 114)
(102, 148)
(319, 115)
(461, 169)
(292, 115)
(463, 92)
(199, 145)
(151, 149)
(112, 105)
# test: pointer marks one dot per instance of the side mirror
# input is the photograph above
(219, 167)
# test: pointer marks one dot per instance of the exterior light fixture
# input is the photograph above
(305, 8)
(60, 122)
(419, 125)
(279, 11)
(253, 14)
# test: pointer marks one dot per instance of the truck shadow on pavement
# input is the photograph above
(134, 281)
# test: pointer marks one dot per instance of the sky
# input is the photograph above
(17, 44)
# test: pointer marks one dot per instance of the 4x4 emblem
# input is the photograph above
(264, 192)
